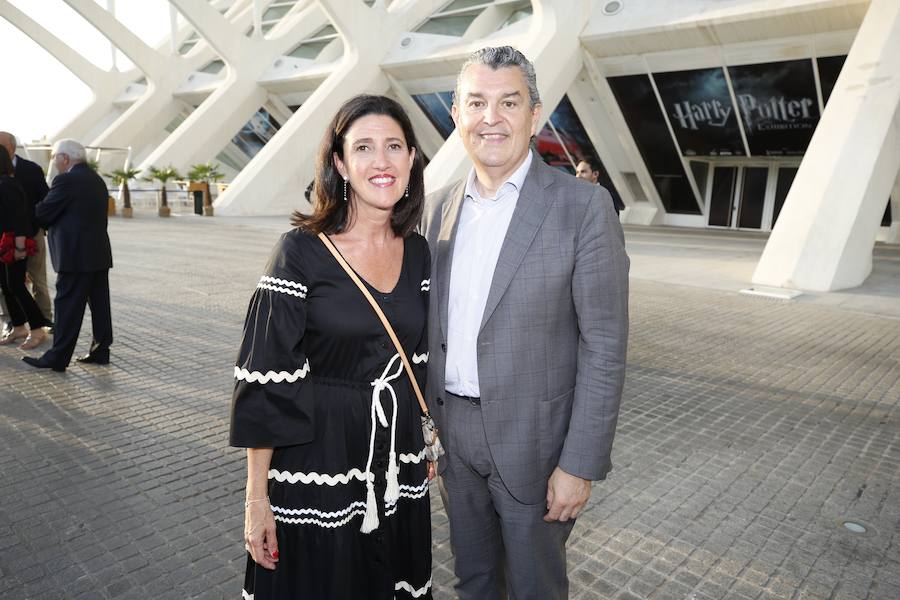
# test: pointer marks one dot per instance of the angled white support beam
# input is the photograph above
(552, 44)
(146, 59)
(274, 180)
(826, 231)
(104, 85)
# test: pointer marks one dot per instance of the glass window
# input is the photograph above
(516, 16)
(700, 171)
(778, 105)
(327, 30)
(722, 196)
(276, 12)
(887, 219)
(214, 67)
(829, 69)
(753, 196)
(461, 4)
(637, 101)
(186, 47)
(701, 112)
(437, 108)
(309, 49)
(563, 143)
(256, 133)
(782, 187)
(455, 26)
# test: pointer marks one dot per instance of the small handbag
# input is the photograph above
(433, 447)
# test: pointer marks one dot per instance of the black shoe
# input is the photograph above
(93, 359)
(40, 363)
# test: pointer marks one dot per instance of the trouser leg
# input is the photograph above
(37, 270)
(72, 291)
(475, 534)
(8, 275)
(101, 315)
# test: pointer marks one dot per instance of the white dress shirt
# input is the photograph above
(479, 236)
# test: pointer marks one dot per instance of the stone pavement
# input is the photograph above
(751, 429)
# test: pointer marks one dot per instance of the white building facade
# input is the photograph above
(778, 116)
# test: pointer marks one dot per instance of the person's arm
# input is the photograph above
(259, 522)
(54, 203)
(600, 295)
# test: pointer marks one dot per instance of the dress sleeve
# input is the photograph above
(272, 402)
(420, 355)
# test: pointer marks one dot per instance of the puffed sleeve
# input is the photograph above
(272, 401)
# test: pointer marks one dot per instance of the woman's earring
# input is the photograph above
(345, 190)
(407, 191)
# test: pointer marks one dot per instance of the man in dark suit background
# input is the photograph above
(32, 179)
(74, 213)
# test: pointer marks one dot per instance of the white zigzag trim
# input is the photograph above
(314, 521)
(277, 377)
(420, 358)
(319, 478)
(413, 458)
(426, 285)
(414, 491)
(283, 290)
(318, 513)
(284, 282)
(390, 511)
(402, 585)
(246, 596)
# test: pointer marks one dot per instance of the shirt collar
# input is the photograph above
(516, 180)
(14, 159)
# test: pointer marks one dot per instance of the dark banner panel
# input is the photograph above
(701, 112)
(570, 140)
(634, 94)
(436, 107)
(778, 106)
(829, 69)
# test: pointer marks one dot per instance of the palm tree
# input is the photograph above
(121, 177)
(204, 174)
(162, 176)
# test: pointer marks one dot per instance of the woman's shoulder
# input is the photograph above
(418, 242)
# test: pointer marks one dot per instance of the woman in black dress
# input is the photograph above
(337, 502)
(16, 228)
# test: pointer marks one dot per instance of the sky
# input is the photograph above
(39, 94)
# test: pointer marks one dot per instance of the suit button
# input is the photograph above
(440, 401)
(443, 347)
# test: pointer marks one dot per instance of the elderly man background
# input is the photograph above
(528, 326)
(74, 213)
(32, 179)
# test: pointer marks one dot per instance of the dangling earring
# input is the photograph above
(407, 191)
(345, 190)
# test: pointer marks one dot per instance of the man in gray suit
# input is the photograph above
(528, 331)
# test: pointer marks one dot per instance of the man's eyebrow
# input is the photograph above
(506, 95)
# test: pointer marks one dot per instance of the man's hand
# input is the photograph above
(566, 496)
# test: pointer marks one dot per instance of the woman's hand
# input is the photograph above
(432, 470)
(259, 533)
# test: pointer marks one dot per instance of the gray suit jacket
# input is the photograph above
(551, 349)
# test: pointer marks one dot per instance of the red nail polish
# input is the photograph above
(275, 554)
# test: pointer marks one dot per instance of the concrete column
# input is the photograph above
(552, 44)
(826, 231)
(274, 181)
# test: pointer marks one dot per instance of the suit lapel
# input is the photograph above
(531, 209)
(445, 243)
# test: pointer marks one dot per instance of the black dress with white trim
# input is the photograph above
(318, 379)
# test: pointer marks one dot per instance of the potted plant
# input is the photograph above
(162, 176)
(121, 177)
(201, 176)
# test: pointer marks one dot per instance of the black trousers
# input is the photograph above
(74, 291)
(19, 301)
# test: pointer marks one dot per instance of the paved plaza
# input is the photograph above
(751, 430)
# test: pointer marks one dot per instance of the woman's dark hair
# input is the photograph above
(6, 166)
(330, 212)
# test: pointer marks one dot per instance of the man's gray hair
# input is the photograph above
(71, 148)
(500, 57)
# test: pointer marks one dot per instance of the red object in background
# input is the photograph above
(8, 247)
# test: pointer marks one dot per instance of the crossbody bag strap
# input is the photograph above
(384, 321)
